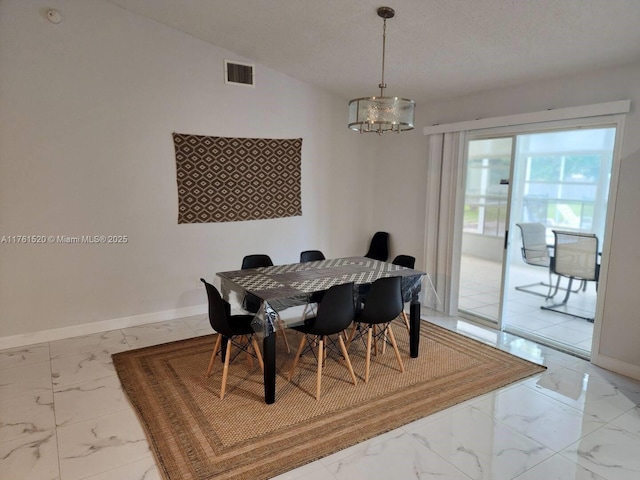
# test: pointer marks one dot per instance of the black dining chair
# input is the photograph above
(230, 329)
(379, 247)
(256, 261)
(250, 302)
(336, 311)
(382, 305)
(406, 261)
(311, 256)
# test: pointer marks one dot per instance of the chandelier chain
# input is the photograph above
(383, 85)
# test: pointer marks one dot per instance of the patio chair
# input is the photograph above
(535, 251)
(575, 257)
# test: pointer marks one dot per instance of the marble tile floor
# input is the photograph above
(63, 416)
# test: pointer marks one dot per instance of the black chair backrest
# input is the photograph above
(256, 261)
(405, 261)
(218, 310)
(311, 256)
(384, 301)
(250, 302)
(379, 247)
(336, 310)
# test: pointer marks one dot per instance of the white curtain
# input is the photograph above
(443, 185)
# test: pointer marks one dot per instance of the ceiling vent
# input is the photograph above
(236, 73)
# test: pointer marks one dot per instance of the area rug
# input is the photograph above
(195, 435)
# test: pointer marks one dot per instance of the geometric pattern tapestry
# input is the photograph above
(222, 179)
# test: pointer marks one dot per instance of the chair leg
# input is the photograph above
(282, 330)
(564, 300)
(256, 350)
(248, 354)
(213, 355)
(297, 357)
(406, 320)
(225, 370)
(347, 359)
(352, 334)
(395, 347)
(320, 362)
(375, 340)
(557, 287)
(368, 361)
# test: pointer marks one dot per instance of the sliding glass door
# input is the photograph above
(488, 169)
(560, 182)
(523, 182)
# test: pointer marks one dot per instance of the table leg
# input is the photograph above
(414, 332)
(269, 354)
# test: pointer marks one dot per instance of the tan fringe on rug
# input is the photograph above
(195, 435)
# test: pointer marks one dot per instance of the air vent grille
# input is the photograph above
(237, 73)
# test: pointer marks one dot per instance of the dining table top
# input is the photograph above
(283, 286)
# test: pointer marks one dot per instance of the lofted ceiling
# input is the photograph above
(435, 48)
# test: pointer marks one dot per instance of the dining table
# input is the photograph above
(282, 287)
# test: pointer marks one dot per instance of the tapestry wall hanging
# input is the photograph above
(223, 179)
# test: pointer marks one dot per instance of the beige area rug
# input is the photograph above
(195, 435)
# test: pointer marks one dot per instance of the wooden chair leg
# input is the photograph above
(395, 347)
(352, 334)
(325, 351)
(282, 331)
(406, 321)
(248, 354)
(213, 355)
(256, 350)
(347, 360)
(320, 362)
(297, 357)
(225, 370)
(375, 340)
(384, 341)
(368, 360)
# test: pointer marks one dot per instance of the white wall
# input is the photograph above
(620, 329)
(87, 109)
(399, 200)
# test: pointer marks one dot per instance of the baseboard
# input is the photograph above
(98, 327)
(617, 366)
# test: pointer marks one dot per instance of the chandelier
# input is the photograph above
(381, 114)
